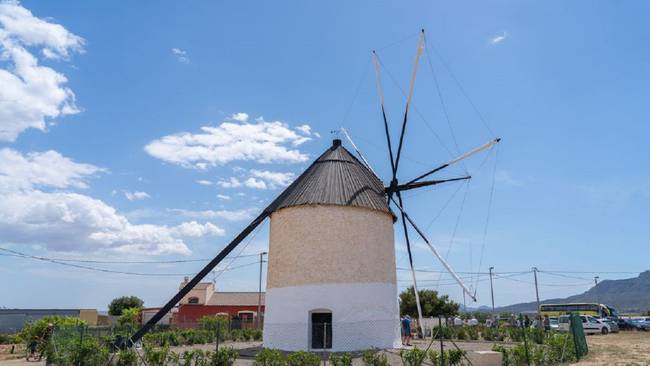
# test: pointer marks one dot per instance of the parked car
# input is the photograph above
(555, 323)
(639, 325)
(613, 326)
(590, 325)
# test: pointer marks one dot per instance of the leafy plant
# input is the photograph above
(127, 358)
(157, 356)
(340, 360)
(412, 357)
(374, 358)
(225, 356)
(302, 358)
(269, 357)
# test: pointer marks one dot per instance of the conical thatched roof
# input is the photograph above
(335, 178)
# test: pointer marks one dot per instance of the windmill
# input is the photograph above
(335, 185)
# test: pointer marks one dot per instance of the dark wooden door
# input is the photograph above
(321, 330)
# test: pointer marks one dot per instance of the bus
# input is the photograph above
(593, 309)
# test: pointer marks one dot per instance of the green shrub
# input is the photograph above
(156, 356)
(505, 354)
(269, 357)
(225, 356)
(412, 357)
(374, 358)
(302, 358)
(236, 335)
(493, 334)
(257, 335)
(452, 357)
(461, 333)
(537, 335)
(472, 332)
(340, 360)
(127, 358)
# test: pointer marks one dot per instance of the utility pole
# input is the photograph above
(492, 289)
(259, 293)
(536, 292)
(596, 288)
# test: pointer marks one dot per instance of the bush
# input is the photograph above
(225, 356)
(157, 356)
(472, 332)
(461, 333)
(374, 358)
(257, 335)
(302, 358)
(269, 357)
(452, 357)
(126, 358)
(413, 357)
(340, 360)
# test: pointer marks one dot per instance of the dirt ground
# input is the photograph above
(625, 348)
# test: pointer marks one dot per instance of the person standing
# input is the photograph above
(406, 331)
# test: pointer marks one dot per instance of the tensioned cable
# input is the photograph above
(442, 103)
(565, 276)
(250, 239)
(392, 78)
(460, 214)
(462, 90)
(105, 270)
(489, 211)
(356, 93)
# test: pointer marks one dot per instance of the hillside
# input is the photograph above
(626, 295)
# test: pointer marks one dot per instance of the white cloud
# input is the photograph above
(194, 229)
(255, 183)
(504, 177)
(223, 197)
(231, 182)
(241, 117)
(204, 182)
(236, 215)
(260, 141)
(306, 129)
(67, 221)
(49, 168)
(274, 179)
(181, 55)
(31, 93)
(136, 196)
(499, 38)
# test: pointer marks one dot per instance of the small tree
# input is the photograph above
(119, 304)
(432, 304)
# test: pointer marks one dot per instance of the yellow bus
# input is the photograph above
(593, 309)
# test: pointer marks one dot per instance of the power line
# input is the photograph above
(106, 270)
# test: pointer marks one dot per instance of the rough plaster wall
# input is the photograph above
(320, 244)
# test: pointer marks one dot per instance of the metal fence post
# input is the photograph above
(81, 343)
(442, 342)
(218, 330)
(523, 328)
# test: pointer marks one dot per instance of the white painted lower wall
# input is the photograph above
(364, 315)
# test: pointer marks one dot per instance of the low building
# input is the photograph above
(13, 320)
(238, 307)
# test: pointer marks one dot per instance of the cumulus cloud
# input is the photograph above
(36, 210)
(136, 196)
(241, 117)
(181, 55)
(223, 197)
(259, 141)
(235, 215)
(274, 179)
(255, 183)
(31, 93)
(231, 182)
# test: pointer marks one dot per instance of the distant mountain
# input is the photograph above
(627, 295)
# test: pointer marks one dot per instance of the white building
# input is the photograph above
(331, 280)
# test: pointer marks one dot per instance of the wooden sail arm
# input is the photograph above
(406, 187)
(461, 157)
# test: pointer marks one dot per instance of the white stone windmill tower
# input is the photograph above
(331, 275)
(331, 280)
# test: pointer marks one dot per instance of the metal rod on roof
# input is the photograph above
(347, 135)
(406, 187)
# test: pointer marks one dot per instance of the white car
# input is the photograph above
(590, 325)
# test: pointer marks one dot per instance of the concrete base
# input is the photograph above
(485, 358)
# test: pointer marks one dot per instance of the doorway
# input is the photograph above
(321, 330)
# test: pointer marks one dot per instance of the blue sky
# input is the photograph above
(111, 115)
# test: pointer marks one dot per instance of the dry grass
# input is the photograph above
(625, 348)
